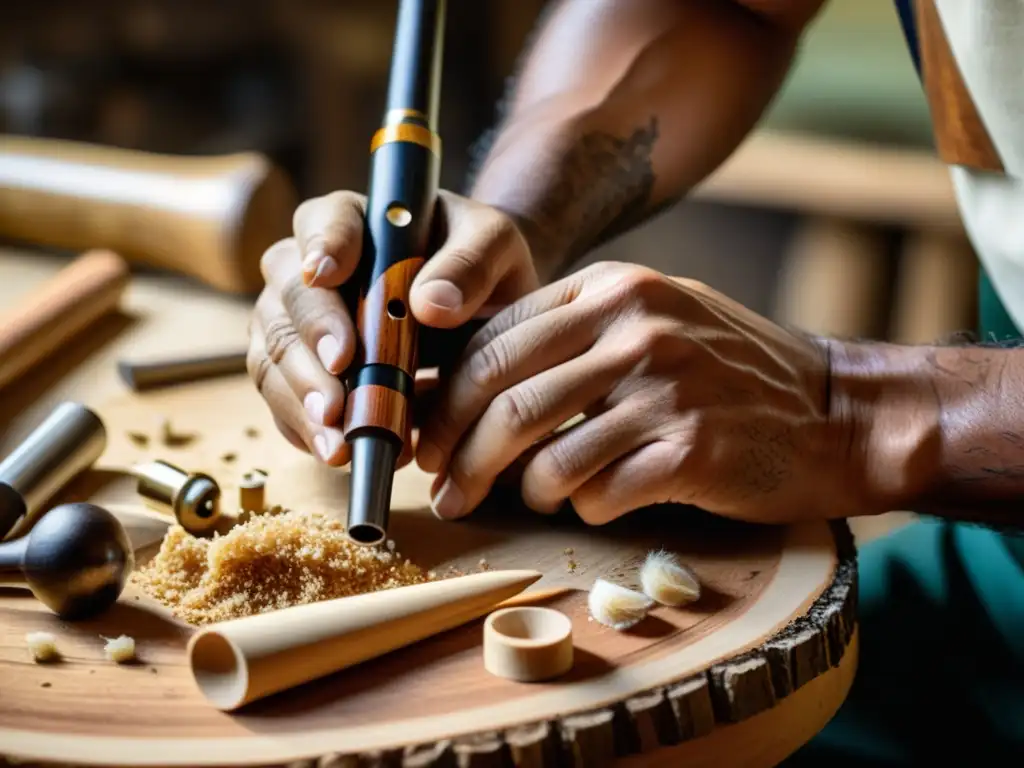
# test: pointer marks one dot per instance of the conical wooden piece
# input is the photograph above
(236, 662)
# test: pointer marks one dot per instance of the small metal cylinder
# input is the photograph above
(141, 376)
(251, 492)
(192, 497)
(373, 470)
(67, 443)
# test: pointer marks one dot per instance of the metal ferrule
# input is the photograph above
(192, 498)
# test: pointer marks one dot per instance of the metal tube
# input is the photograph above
(67, 443)
(141, 376)
(192, 497)
(404, 176)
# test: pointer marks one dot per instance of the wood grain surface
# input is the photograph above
(718, 661)
(666, 723)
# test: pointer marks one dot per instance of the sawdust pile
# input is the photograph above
(265, 564)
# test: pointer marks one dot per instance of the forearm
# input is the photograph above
(625, 105)
(936, 430)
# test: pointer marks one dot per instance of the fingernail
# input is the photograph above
(311, 263)
(448, 501)
(320, 446)
(327, 444)
(329, 350)
(443, 294)
(430, 457)
(324, 269)
(315, 405)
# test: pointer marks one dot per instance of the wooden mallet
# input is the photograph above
(210, 218)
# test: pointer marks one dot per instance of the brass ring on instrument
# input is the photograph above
(408, 132)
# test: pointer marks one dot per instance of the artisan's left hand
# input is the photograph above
(690, 397)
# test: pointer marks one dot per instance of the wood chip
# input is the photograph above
(173, 439)
(139, 439)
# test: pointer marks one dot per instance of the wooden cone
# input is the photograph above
(236, 662)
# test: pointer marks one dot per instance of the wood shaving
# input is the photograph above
(139, 439)
(229, 458)
(267, 563)
(42, 646)
(252, 432)
(120, 650)
(172, 438)
(616, 606)
(668, 581)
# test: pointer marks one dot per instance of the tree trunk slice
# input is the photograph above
(773, 634)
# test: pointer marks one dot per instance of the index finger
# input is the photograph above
(329, 232)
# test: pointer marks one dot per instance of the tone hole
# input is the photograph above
(398, 215)
(396, 308)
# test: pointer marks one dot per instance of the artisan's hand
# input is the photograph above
(690, 397)
(301, 336)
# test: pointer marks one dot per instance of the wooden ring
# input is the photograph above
(528, 643)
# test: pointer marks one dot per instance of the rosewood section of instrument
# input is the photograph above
(379, 407)
(88, 288)
(387, 327)
(209, 218)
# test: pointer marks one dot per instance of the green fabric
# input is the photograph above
(995, 323)
(941, 672)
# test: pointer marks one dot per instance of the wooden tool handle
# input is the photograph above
(74, 298)
(210, 218)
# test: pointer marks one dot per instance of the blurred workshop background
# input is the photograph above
(838, 221)
(835, 217)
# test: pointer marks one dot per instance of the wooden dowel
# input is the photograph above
(72, 300)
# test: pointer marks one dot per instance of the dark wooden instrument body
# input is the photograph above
(405, 172)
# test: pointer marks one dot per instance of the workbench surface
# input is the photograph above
(162, 316)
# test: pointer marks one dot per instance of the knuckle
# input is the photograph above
(303, 212)
(555, 468)
(641, 281)
(488, 365)
(275, 257)
(308, 313)
(651, 340)
(280, 335)
(515, 409)
(469, 262)
(502, 232)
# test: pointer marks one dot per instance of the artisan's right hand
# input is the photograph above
(301, 337)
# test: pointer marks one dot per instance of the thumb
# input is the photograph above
(482, 247)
